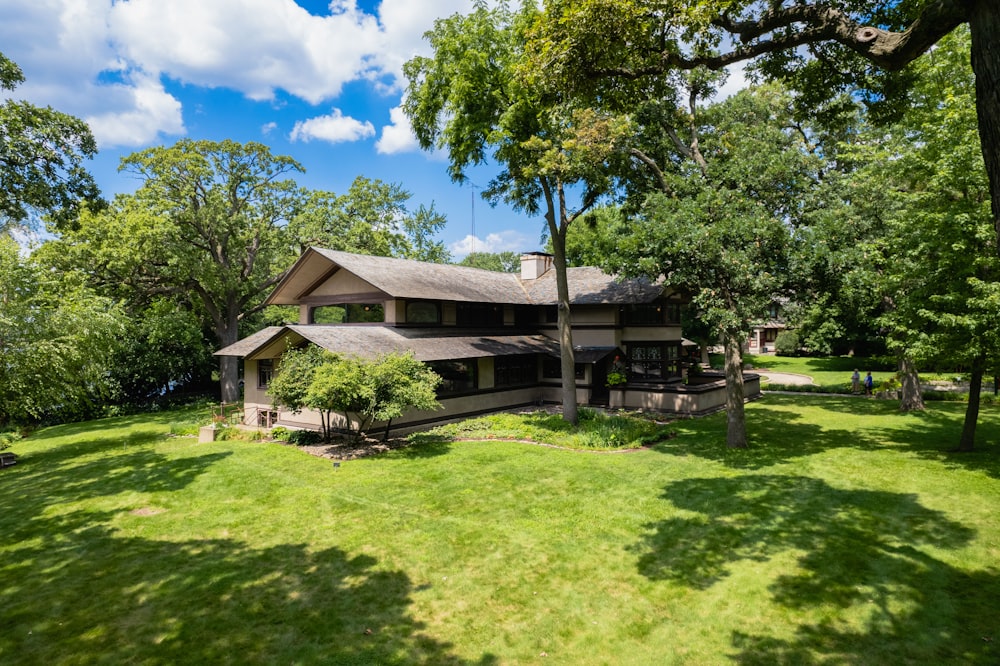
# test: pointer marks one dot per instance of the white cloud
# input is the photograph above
(267, 128)
(397, 137)
(504, 241)
(138, 113)
(334, 128)
(99, 60)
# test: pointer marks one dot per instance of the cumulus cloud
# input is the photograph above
(397, 137)
(334, 128)
(140, 112)
(97, 59)
(504, 241)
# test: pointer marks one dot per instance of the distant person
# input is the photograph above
(856, 382)
(869, 383)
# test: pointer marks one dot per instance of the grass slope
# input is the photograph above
(845, 535)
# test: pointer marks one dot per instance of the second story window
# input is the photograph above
(479, 315)
(349, 313)
(423, 312)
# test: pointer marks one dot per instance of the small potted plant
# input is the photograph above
(616, 382)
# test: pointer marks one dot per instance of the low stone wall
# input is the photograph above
(703, 395)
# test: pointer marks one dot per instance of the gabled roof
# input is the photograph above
(427, 344)
(402, 278)
(405, 278)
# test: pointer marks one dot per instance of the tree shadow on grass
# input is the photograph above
(863, 558)
(775, 437)
(81, 593)
(67, 479)
(778, 433)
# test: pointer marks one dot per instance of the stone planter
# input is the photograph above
(616, 398)
(207, 434)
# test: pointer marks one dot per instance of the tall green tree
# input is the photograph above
(720, 224)
(940, 267)
(56, 341)
(821, 47)
(206, 226)
(472, 99)
(42, 152)
(372, 217)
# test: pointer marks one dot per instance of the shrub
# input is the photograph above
(304, 437)
(280, 433)
(8, 438)
(787, 343)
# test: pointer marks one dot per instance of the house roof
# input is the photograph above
(430, 344)
(592, 286)
(405, 278)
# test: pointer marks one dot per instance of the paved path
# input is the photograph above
(784, 377)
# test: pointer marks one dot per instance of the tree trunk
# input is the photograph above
(229, 366)
(736, 421)
(968, 439)
(984, 24)
(385, 435)
(912, 399)
(566, 355)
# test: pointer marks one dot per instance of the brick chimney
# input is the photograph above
(535, 264)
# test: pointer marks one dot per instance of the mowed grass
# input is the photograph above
(830, 372)
(845, 535)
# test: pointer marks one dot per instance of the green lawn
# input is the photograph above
(844, 536)
(830, 372)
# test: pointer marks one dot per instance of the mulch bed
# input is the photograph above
(346, 450)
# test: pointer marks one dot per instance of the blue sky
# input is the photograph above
(318, 80)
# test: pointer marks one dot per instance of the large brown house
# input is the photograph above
(491, 336)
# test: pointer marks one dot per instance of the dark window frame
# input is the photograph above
(517, 370)
(265, 372)
(653, 361)
(433, 304)
(451, 384)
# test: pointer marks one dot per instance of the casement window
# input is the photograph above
(515, 370)
(456, 376)
(552, 369)
(423, 312)
(265, 372)
(653, 361)
(478, 315)
(651, 314)
(349, 313)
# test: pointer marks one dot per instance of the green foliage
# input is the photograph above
(787, 343)
(362, 391)
(304, 437)
(474, 99)
(56, 342)
(280, 433)
(502, 262)
(594, 430)
(8, 438)
(42, 152)
(370, 218)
